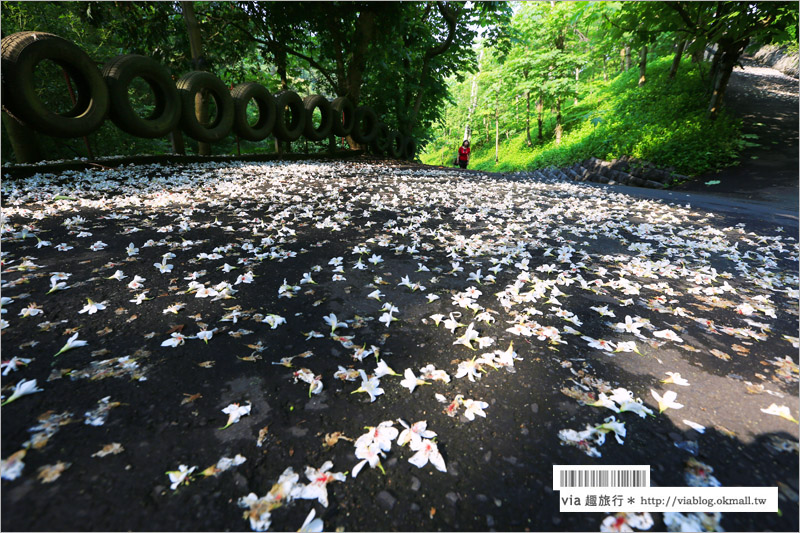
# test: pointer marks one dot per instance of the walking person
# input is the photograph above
(463, 154)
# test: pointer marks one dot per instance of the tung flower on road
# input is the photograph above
(427, 450)
(21, 389)
(13, 363)
(235, 412)
(72, 342)
(176, 339)
(369, 385)
(180, 476)
(782, 411)
(410, 381)
(667, 334)
(667, 401)
(675, 378)
(92, 307)
(414, 433)
(311, 524)
(318, 488)
(474, 407)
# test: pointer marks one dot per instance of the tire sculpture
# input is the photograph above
(344, 116)
(118, 74)
(285, 115)
(381, 142)
(21, 53)
(393, 147)
(188, 86)
(409, 148)
(366, 125)
(322, 131)
(293, 129)
(242, 94)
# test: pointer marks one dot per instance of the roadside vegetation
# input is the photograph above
(663, 122)
(607, 79)
(530, 83)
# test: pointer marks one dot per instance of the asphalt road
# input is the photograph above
(766, 101)
(539, 299)
(754, 210)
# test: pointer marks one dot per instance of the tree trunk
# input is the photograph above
(605, 72)
(280, 67)
(473, 101)
(727, 62)
(697, 55)
(715, 67)
(201, 99)
(176, 140)
(365, 30)
(627, 57)
(540, 115)
(676, 62)
(643, 66)
(450, 15)
(528, 117)
(558, 121)
(23, 140)
(496, 128)
(720, 84)
(577, 76)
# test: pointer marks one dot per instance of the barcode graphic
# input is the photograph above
(603, 478)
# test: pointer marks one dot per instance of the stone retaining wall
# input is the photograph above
(776, 57)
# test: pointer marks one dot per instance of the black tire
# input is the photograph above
(409, 149)
(118, 74)
(394, 148)
(292, 130)
(21, 52)
(381, 142)
(344, 116)
(188, 86)
(365, 128)
(242, 94)
(326, 121)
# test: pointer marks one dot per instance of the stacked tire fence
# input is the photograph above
(104, 94)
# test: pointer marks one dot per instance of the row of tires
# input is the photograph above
(105, 93)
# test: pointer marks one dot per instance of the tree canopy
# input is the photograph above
(408, 59)
(561, 55)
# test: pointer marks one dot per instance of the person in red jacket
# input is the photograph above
(463, 154)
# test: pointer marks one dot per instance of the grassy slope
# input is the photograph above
(663, 122)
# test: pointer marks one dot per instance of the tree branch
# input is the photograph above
(678, 8)
(311, 61)
(276, 45)
(450, 16)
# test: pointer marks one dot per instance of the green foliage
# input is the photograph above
(328, 48)
(416, 64)
(663, 122)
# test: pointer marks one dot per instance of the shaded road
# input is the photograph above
(534, 297)
(767, 102)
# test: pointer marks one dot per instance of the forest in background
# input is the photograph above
(606, 79)
(549, 82)
(392, 56)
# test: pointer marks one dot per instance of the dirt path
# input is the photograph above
(767, 101)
